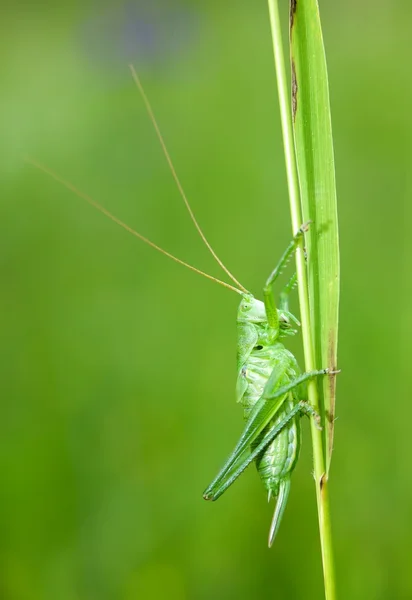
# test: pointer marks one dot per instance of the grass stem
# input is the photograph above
(322, 493)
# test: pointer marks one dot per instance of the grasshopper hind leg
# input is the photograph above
(281, 501)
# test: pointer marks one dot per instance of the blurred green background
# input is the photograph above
(118, 366)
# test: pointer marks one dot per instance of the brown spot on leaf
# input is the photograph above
(293, 5)
(330, 414)
(294, 91)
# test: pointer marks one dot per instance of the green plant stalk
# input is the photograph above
(312, 132)
(321, 483)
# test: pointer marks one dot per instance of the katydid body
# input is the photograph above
(269, 384)
(264, 369)
(271, 390)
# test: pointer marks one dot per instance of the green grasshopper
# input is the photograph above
(271, 390)
(269, 385)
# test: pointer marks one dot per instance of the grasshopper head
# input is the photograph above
(251, 310)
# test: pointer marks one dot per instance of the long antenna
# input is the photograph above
(175, 177)
(103, 210)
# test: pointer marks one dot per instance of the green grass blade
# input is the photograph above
(307, 159)
(315, 164)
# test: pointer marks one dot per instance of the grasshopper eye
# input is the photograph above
(259, 347)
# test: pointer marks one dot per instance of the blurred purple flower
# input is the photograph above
(142, 32)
